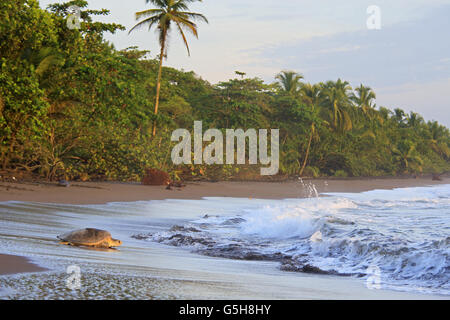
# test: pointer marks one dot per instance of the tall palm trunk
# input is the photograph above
(307, 151)
(158, 84)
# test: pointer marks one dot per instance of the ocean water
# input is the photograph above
(390, 239)
(401, 237)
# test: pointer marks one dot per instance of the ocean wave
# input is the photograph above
(341, 235)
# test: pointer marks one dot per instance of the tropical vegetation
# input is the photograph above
(73, 106)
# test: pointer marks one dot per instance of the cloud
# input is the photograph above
(404, 52)
(429, 99)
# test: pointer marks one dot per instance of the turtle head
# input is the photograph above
(115, 242)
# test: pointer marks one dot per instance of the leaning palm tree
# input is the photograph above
(311, 96)
(289, 81)
(168, 13)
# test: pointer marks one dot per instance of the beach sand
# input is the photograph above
(10, 264)
(103, 192)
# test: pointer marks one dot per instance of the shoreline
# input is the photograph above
(13, 264)
(104, 192)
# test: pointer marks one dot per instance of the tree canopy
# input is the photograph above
(71, 105)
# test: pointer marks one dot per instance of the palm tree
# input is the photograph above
(311, 95)
(415, 120)
(42, 59)
(168, 13)
(240, 73)
(405, 153)
(289, 81)
(336, 97)
(399, 116)
(438, 138)
(364, 99)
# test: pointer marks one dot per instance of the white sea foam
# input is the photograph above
(276, 222)
(299, 220)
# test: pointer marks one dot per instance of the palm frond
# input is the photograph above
(186, 25)
(158, 3)
(195, 16)
(149, 12)
(149, 21)
(183, 37)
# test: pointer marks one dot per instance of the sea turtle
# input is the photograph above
(89, 237)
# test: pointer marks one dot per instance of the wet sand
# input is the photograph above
(103, 192)
(10, 264)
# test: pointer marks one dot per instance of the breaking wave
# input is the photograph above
(404, 233)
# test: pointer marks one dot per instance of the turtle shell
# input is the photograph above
(87, 236)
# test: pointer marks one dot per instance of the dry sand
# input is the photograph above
(13, 264)
(103, 192)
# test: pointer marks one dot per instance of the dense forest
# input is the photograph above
(73, 106)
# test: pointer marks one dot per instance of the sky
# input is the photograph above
(406, 62)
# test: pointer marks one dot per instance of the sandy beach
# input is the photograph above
(205, 276)
(10, 264)
(103, 192)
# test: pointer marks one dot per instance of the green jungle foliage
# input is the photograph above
(73, 106)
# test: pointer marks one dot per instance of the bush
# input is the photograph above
(311, 171)
(340, 174)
